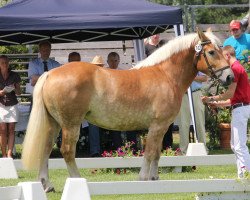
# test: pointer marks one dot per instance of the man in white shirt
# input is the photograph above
(39, 65)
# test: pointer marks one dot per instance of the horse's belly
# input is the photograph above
(123, 120)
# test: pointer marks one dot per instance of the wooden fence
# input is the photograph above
(206, 189)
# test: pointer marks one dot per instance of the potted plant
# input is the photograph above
(224, 120)
(218, 127)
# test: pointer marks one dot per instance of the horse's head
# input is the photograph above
(210, 60)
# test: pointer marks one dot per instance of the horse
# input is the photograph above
(146, 97)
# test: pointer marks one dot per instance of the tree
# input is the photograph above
(207, 14)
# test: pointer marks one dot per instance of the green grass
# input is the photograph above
(58, 178)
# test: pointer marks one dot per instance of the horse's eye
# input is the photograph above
(212, 52)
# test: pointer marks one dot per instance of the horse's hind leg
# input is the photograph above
(44, 171)
(70, 136)
(149, 169)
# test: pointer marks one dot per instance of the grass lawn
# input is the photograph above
(58, 178)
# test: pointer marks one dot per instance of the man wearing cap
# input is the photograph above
(239, 40)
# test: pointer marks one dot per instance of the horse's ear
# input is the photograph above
(201, 35)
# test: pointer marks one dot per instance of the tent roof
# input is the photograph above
(30, 21)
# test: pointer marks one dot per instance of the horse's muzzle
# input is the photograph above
(226, 77)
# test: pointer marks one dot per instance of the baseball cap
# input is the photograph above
(235, 25)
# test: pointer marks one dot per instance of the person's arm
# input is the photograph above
(200, 78)
(244, 21)
(225, 103)
(33, 74)
(221, 100)
(17, 88)
(227, 95)
(34, 79)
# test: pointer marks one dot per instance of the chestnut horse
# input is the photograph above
(147, 97)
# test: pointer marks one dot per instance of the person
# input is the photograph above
(238, 97)
(239, 40)
(9, 88)
(39, 65)
(162, 42)
(95, 131)
(98, 60)
(185, 115)
(113, 60)
(74, 57)
(245, 23)
(154, 43)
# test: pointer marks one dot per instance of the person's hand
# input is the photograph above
(205, 99)
(2, 93)
(213, 104)
(213, 109)
(209, 101)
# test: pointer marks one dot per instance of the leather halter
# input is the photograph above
(199, 50)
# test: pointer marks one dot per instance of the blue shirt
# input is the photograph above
(36, 66)
(196, 85)
(239, 44)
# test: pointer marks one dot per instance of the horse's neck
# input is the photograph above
(180, 69)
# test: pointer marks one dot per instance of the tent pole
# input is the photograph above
(194, 149)
(180, 31)
(139, 50)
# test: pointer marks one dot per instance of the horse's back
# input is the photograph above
(77, 89)
(115, 99)
(68, 90)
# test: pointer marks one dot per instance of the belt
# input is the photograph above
(239, 105)
(194, 90)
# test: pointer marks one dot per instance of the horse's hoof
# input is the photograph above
(143, 178)
(50, 189)
(154, 178)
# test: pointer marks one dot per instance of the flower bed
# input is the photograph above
(127, 151)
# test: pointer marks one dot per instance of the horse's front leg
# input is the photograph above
(145, 168)
(149, 169)
(70, 136)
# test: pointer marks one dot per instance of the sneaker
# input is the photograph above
(244, 174)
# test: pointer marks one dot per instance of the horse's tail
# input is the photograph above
(37, 129)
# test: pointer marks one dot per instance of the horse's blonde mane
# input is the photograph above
(174, 46)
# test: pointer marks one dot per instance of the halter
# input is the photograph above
(199, 50)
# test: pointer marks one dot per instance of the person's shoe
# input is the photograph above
(244, 174)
